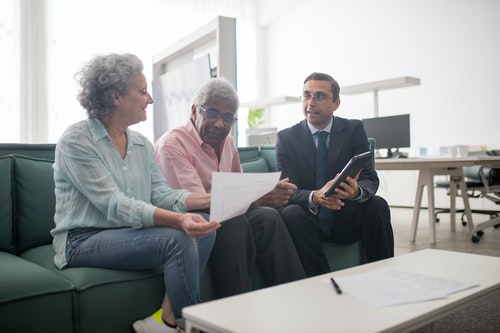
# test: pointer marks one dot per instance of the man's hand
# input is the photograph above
(347, 190)
(279, 196)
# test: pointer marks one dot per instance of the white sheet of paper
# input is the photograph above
(388, 287)
(232, 192)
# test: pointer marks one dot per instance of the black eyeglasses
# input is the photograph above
(228, 119)
(319, 97)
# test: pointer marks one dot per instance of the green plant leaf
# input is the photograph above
(255, 118)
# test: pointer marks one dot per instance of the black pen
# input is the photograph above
(336, 286)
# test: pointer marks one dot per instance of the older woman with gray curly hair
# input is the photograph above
(114, 208)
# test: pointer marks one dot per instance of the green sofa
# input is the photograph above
(35, 296)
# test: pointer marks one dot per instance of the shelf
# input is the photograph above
(399, 82)
(376, 86)
(267, 102)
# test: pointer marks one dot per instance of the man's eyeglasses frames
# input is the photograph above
(228, 119)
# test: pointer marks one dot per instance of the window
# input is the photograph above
(9, 82)
(74, 32)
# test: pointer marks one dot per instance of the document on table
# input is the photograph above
(387, 287)
(233, 193)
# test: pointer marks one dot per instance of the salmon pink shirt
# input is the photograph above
(188, 163)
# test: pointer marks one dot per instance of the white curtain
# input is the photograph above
(33, 71)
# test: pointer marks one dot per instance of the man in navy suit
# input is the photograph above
(354, 212)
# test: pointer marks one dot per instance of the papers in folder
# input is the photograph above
(233, 193)
(387, 287)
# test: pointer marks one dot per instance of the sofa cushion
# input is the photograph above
(342, 256)
(32, 294)
(248, 153)
(6, 228)
(269, 153)
(104, 296)
(34, 202)
(21, 278)
(253, 159)
(257, 165)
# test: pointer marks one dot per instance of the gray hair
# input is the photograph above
(216, 87)
(101, 77)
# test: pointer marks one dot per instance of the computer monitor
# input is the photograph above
(392, 132)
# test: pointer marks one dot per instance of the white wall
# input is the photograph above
(451, 45)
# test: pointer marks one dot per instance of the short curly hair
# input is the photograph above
(216, 87)
(101, 77)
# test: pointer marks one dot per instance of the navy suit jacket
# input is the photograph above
(296, 157)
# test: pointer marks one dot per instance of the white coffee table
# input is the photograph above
(311, 305)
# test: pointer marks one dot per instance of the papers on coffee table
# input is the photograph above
(233, 193)
(387, 287)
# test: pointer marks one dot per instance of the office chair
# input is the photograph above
(481, 182)
(491, 191)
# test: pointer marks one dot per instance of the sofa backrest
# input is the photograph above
(252, 160)
(27, 202)
(34, 201)
(269, 153)
(38, 150)
(263, 158)
(27, 199)
(6, 212)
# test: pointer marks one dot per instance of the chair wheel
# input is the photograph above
(496, 226)
(464, 221)
(480, 233)
(475, 239)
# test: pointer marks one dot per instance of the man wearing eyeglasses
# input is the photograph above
(189, 154)
(353, 213)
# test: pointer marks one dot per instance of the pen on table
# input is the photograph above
(336, 286)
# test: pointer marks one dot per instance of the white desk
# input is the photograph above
(430, 167)
(311, 305)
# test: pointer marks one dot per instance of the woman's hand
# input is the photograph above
(192, 224)
(196, 226)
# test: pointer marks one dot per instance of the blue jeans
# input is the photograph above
(183, 258)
